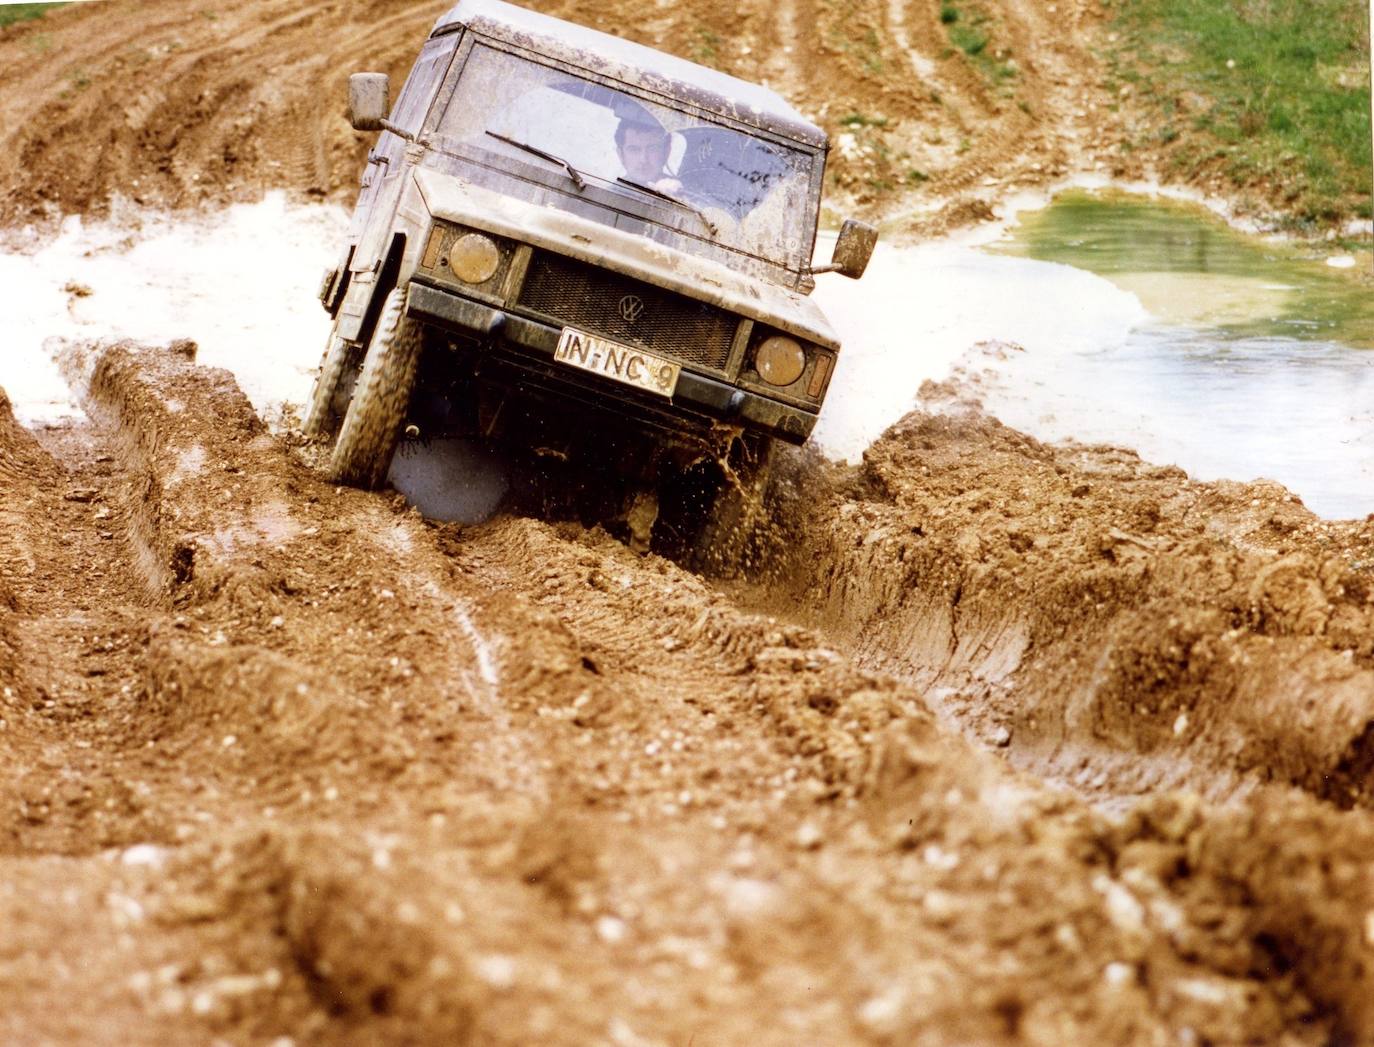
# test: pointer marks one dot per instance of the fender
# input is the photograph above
(366, 291)
(335, 283)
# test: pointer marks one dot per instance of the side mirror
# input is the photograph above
(369, 101)
(853, 249)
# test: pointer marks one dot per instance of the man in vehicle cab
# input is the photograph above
(643, 147)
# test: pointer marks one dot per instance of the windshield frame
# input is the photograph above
(634, 205)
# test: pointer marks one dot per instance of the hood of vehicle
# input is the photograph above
(453, 199)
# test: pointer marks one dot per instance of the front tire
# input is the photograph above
(372, 424)
(321, 418)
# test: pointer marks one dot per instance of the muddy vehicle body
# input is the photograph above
(586, 248)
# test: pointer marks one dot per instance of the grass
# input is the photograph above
(705, 49)
(1271, 93)
(863, 120)
(11, 13)
(968, 38)
(971, 30)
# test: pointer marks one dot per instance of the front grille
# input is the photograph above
(598, 301)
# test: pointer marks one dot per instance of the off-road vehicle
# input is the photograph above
(588, 248)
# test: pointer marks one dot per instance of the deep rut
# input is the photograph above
(1119, 629)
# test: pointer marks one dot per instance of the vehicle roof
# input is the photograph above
(634, 64)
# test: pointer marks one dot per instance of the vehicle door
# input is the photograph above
(386, 162)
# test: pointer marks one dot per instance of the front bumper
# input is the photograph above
(536, 342)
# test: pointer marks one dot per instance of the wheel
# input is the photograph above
(372, 424)
(735, 510)
(322, 415)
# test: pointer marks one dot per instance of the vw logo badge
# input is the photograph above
(631, 308)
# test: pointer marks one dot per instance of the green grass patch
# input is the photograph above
(968, 38)
(705, 48)
(11, 13)
(971, 29)
(863, 120)
(1275, 92)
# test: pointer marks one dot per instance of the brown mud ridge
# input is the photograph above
(1130, 629)
(279, 759)
(202, 102)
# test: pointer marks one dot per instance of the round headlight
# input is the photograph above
(473, 258)
(779, 360)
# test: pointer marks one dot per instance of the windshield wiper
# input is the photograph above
(672, 200)
(572, 171)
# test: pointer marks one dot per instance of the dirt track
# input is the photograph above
(284, 759)
(199, 102)
(1000, 743)
(1132, 630)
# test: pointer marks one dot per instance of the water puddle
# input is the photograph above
(239, 282)
(1251, 361)
(1111, 318)
(1102, 318)
(919, 312)
(1188, 268)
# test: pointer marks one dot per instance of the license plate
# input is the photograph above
(622, 363)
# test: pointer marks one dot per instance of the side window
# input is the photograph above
(424, 78)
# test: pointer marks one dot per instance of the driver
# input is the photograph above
(643, 149)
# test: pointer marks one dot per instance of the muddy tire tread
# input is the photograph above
(320, 420)
(371, 426)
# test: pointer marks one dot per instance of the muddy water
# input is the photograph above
(1252, 361)
(1103, 318)
(240, 282)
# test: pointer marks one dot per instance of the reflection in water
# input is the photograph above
(1179, 256)
(449, 479)
(1211, 299)
(1255, 362)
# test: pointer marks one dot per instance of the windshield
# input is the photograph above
(703, 179)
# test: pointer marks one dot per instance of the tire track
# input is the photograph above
(1069, 603)
(214, 104)
(341, 823)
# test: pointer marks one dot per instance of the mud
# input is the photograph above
(1128, 628)
(297, 762)
(996, 742)
(203, 103)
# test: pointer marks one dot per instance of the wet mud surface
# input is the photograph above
(995, 742)
(285, 759)
(1127, 628)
